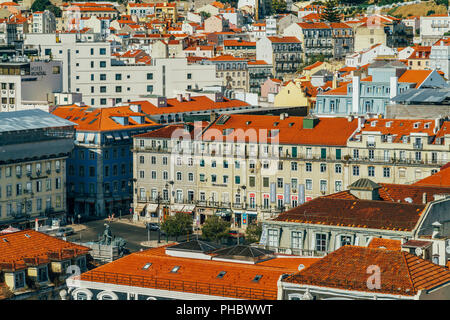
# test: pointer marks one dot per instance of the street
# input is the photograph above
(132, 234)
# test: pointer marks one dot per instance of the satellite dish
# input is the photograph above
(301, 267)
(418, 251)
(447, 249)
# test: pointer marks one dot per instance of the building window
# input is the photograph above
(386, 172)
(355, 170)
(323, 167)
(296, 240)
(321, 242)
(308, 184)
(19, 280)
(272, 238)
(338, 168)
(42, 274)
(308, 167)
(371, 171)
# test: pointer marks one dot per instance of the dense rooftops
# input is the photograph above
(346, 268)
(20, 248)
(355, 213)
(153, 268)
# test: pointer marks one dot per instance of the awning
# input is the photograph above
(182, 208)
(151, 207)
(80, 137)
(254, 213)
(223, 212)
(125, 135)
(117, 136)
(90, 137)
(109, 136)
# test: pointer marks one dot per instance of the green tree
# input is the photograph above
(279, 6)
(177, 225)
(42, 5)
(215, 229)
(205, 15)
(253, 232)
(331, 12)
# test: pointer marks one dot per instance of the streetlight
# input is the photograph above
(158, 198)
(79, 218)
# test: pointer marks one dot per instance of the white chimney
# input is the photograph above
(187, 96)
(355, 94)
(424, 198)
(436, 229)
(393, 87)
(282, 116)
(179, 97)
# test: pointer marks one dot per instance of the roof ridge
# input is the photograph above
(403, 253)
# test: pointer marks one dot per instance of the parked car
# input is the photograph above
(64, 232)
(153, 226)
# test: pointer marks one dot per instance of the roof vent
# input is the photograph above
(5, 240)
(221, 274)
(257, 278)
(409, 200)
(147, 265)
(301, 267)
(27, 235)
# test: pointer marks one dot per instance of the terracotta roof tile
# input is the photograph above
(22, 247)
(356, 213)
(346, 268)
(197, 275)
(383, 243)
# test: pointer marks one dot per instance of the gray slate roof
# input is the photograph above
(414, 96)
(364, 184)
(195, 246)
(30, 119)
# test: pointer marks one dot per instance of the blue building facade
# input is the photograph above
(100, 172)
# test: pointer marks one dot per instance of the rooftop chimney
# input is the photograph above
(180, 97)
(436, 229)
(424, 198)
(187, 96)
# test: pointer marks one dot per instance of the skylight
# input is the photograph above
(221, 274)
(175, 269)
(257, 278)
(147, 265)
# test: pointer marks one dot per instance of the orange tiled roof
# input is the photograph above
(355, 213)
(314, 25)
(290, 130)
(227, 57)
(415, 76)
(19, 248)
(284, 39)
(100, 119)
(197, 103)
(314, 65)
(383, 243)
(346, 268)
(238, 277)
(238, 43)
(441, 178)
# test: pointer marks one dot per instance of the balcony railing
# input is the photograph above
(296, 251)
(180, 285)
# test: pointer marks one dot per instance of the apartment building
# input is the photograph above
(43, 22)
(35, 147)
(253, 168)
(433, 28)
(316, 38)
(371, 94)
(99, 170)
(89, 68)
(231, 70)
(239, 48)
(283, 53)
(28, 84)
(258, 72)
(440, 56)
(35, 265)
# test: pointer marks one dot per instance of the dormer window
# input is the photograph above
(416, 125)
(373, 123)
(427, 125)
(19, 280)
(42, 274)
(257, 278)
